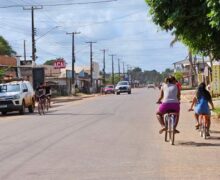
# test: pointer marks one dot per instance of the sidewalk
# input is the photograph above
(77, 97)
(187, 96)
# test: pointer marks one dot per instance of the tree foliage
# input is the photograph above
(49, 62)
(116, 79)
(196, 23)
(2, 73)
(5, 48)
(178, 76)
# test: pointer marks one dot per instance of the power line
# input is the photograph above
(62, 4)
(47, 32)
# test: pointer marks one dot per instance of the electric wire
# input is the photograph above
(62, 4)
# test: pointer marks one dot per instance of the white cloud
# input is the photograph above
(123, 27)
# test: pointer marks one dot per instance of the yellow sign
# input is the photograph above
(200, 78)
(216, 78)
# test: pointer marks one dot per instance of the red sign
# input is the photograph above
(59, 63)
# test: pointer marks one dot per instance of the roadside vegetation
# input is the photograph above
(5, 48)
(217, 111)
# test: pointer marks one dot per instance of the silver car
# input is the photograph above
(123, 87)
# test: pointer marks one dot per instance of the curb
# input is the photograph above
(70, 98)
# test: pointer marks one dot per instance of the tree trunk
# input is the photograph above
(191, 69)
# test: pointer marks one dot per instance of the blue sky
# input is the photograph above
(122, 27)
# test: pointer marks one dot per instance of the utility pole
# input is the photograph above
(104, 51)
(91, 68)
(113, 76)
(123, 69)
(73, 56)
(32, 8)
(119, 73)
(128, 72)
(25, 52)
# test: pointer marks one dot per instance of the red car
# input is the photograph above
(109, 89)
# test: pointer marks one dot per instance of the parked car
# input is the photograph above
(109, 89)
(16, 96)
(123, 87)
(151, 86)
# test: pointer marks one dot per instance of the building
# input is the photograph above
(201, 71)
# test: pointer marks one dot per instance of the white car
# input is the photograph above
(151, 86)
(123, 87)
(16, 96)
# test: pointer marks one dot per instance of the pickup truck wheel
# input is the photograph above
(4, 112)
(22, 109)
(31, 107)
(129, 92)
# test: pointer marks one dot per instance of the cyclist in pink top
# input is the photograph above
(169, 101)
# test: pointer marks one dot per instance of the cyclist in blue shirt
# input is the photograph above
(201, 101)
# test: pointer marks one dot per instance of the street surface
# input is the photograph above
(112, 137)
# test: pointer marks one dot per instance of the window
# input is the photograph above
(10, 88)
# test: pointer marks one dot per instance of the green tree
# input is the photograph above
(152, 76)
(116, 79)
(178, 76)
(166, 73)
(196, 23)
(5, 48)
(136, 74)
(49, 62)
(2, 72)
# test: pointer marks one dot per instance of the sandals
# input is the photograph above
(176, 131)
(162, 130)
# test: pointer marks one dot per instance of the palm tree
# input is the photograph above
(192, 68)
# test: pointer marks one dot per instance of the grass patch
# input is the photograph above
(217, 110)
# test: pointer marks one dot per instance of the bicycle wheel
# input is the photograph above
(43, 107)
(172, 129)
(201, 126)
(172, 139)
(39, 107)
(204, 131)
(166, 126)
(46, 104)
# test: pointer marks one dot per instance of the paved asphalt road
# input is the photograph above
(105, 138)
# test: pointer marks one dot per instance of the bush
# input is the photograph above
(217, 112)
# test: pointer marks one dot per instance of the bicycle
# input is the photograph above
(41, 105)
(170, 121)
(203, 125)
(47, 102)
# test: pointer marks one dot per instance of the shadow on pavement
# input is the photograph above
(195, 144)
(215, 132)
(214, 138)
(67, 114)
(55, 105)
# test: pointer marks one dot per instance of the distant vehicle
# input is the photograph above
(16, 96)
(151, 86)
(109, 89)
(123, 87)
